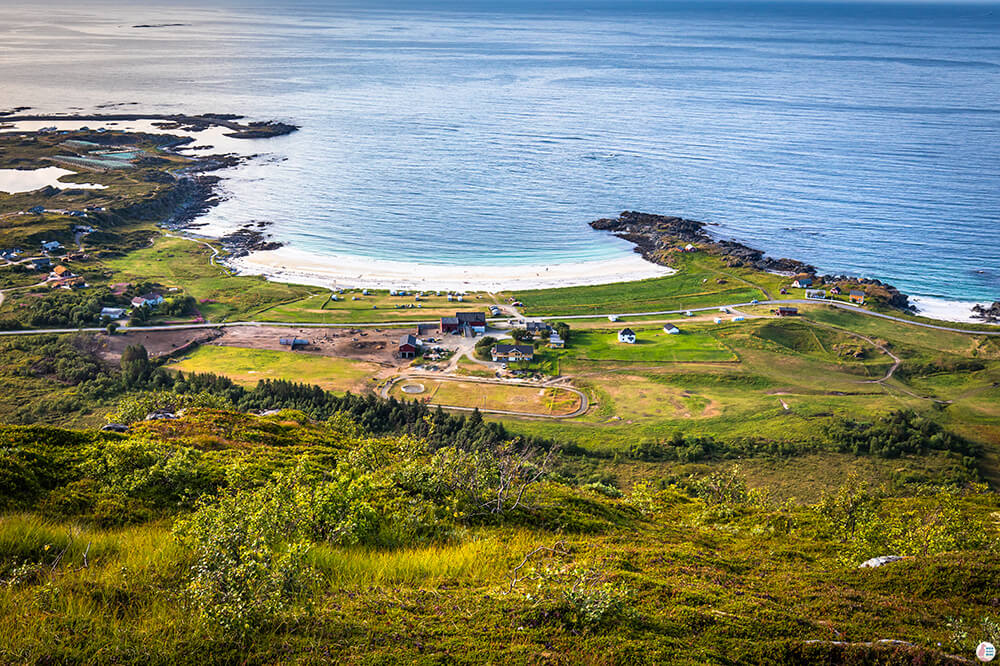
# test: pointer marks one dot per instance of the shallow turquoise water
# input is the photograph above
(863, 138)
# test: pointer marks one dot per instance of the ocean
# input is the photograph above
(862, 138)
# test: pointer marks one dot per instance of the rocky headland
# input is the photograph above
(988, 313)
(658, 238)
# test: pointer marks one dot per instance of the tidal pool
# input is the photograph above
(14, 181)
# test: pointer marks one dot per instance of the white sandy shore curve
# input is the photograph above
(289, 265)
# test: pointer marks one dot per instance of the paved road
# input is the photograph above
(792, 301)
(391, 324)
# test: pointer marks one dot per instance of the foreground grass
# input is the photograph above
(740, 590)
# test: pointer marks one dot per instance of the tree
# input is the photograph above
(562, 328)
(521, 335)
(112, 327)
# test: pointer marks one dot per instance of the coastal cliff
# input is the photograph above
(659, 237)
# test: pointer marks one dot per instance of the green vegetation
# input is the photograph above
(355, 306)
(651, 346)
(695, 285)
(265, 507)
(248, 366)
(264, 539)
(184, 264)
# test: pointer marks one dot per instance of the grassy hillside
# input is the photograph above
(280, 539)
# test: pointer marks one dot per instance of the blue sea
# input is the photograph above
(862, 138)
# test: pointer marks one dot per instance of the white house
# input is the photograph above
(626, 335)
(670, 329)
(112, 313)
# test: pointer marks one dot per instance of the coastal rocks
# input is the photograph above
(238, 130)
(659, 233)
(657, 237)
(244, 241)
(988, 313)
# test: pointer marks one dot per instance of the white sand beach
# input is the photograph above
(287, 264)
(944, 310)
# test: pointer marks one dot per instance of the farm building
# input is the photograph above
(293, 343)
(466, 323)
(670, 329)
(626, 335)
(857, 297)
(512, 353)
(472, 322)
(408, 346)
(787, 311)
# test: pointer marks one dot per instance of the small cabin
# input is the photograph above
(787, 312)
(626, 335)
(670, 329)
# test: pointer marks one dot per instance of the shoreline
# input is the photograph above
(287, 264)
(255, 253)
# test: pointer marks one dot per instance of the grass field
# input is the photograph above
(483, 395)
(652, 346)
(696, 284)
(248, 366)
(183, 263)
(377, 306)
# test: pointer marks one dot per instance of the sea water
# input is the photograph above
(862, 138)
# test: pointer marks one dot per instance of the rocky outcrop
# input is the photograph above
(245, 240)
(989, 313)
(656, 234)
(659, 237)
